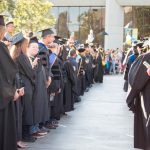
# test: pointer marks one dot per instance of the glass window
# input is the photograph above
(62, 22)
(73, 22)
(80, 20)
(85, 25)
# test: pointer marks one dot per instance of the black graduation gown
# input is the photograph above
(99, 70)
(44, 57)
(40, 100)
(19, 108)
(81, 79)
(138, 101)
(60, 62)
(57, 103)
(28, 79)
(91, 67)
(68, 87)
(84, 76)
(95, 68)
(8, 72)
(87, 68)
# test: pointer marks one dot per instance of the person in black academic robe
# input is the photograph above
(19, 46)
(69, 83)
(77, 88)
(40, 96)
(8, 94)
(8, 72)
(41, 110)
(129, 63)
(100, 69)
(57, 104)
(28, 78)
(56, 87)
(138, 101)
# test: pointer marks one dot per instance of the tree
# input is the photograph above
(33, 15)
(2, 6)
(7, 6)
(62, 26)
(10, 6)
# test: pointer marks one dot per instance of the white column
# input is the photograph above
(114, 25)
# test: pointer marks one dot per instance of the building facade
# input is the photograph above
(116, 17)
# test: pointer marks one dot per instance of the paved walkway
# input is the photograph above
(100, 122)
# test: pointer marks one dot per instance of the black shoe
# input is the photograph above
(50, 126)
(29, 139)
(54, 121)
(45, 129)
(78, 100)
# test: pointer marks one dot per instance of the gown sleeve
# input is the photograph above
(138, 79)
(8, 72)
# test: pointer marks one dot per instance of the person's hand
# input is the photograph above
(7, 43)
(148, 71)
(35, 62)
(21, 91)
(93, 66)
(16, 96)
(53, 94)
(48, 82)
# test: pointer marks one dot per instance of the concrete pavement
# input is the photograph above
(100, 122)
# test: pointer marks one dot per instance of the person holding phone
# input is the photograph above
(138, 100)
(40, 98)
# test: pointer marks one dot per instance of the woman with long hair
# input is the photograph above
(27, 75)
(15, 51)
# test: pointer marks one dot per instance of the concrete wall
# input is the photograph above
(78, 2)
(99, 2)
(114, 25)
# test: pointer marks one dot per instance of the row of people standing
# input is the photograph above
(40, 81)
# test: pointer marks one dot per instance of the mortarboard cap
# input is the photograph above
(57, 39)
(81, 48)
(60, 40)
(33, 39)
(2, 22)
(18, 38)
(46, 32)
(139, 44)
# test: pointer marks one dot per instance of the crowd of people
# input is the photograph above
(40, 81)
(114, 61)
(137, 84)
